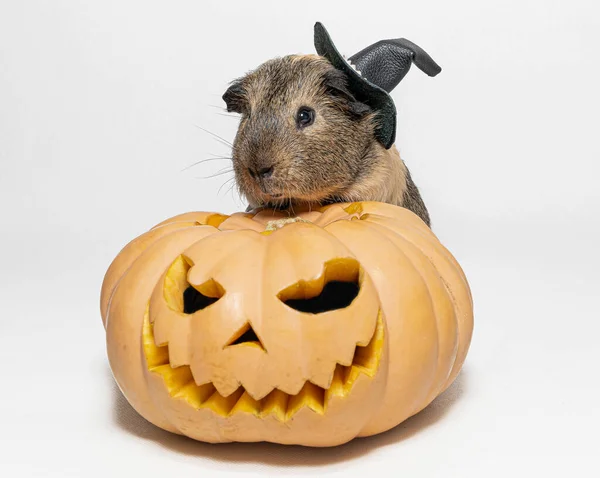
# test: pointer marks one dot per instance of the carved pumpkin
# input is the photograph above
(313, 330)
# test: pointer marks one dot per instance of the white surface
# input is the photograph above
(98, 104)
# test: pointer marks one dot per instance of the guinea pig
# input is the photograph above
(304, 139)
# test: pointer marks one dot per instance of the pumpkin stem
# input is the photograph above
(279, 223)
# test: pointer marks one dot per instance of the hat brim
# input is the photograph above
(372, 95)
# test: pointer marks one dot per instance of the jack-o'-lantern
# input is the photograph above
(312, 329)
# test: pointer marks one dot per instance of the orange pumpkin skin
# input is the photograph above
(314, 379)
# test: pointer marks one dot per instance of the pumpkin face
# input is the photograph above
(313, 330)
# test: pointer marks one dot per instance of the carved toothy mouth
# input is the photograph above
(181, 385)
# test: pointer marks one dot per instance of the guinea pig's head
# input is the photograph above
(303, 137)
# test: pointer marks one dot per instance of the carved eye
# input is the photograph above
(194, 300)
(335, 295)
(338, 290)
(181, 296)
(305, 117)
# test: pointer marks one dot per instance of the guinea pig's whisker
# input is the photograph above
(219, 156)
(287, 201)
(216, 136)
(231, 190)
(203, 161)
(222, 185)
(224, 111)
(219, 173)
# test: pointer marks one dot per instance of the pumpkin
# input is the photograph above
(314, 329)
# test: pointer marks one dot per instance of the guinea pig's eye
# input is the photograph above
(305, 117)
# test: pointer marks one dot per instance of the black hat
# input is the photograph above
(374, 72)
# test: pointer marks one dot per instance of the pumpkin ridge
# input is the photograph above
(199, 217)
(430, 238)
(129, 254)
(390, 237)
(464, 319)
(436, 384)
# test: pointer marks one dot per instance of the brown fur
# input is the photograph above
(335, 159)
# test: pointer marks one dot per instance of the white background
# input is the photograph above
(98, 107)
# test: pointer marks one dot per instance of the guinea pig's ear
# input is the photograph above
(336, 84)
(235, 97)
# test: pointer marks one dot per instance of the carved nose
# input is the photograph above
(262, 173)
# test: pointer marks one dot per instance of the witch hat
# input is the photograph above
(374, 72)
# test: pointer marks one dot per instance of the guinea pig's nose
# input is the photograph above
(263, 173)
